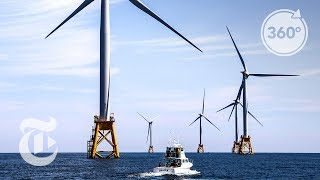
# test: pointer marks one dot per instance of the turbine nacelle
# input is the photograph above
(245, 74)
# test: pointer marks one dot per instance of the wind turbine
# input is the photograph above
(245, 138)
(235, 147)
(150, 122)
(105, 121)
(200, 147)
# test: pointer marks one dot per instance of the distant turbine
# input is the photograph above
(245, 139)
(104, 114)
(200, 147)
(150, 122)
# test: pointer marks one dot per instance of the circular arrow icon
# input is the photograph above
(284, 32)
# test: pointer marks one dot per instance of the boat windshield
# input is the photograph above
(173, 152)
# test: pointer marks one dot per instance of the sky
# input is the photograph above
(154, 72)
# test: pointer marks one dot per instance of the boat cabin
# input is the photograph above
(174, 152)
(174, 157)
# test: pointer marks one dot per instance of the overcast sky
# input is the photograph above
(156, 73)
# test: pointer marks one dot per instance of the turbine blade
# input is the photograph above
(236, 123)
(255, 118)
(240, 90)
(204, 96)
(236, 114)
(226, 107)
(194, 121)
(145, 9)
(143, 117)
(82, 6)
(211, 122)
(232, 111)
(148, 133)
(242, 61)
(252, 115)
(269, 75)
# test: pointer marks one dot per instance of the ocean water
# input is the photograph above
(135, 165)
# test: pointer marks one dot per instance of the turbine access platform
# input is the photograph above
(100, 133)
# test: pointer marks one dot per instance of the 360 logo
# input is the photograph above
(284, 32)
(36, 128)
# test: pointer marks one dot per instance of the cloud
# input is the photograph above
(181, 100)
(3, 56)
(174, 42)
(11, 106)
(310, 72)
(52, 88)
(228, 54)
(213, 46)
(23, 20)
(295, 105)
(77, 56)
(260, 101)
(73, 50)
(7, 87)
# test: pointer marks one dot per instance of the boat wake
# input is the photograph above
(152, 174)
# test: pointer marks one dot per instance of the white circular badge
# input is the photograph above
(284, 32)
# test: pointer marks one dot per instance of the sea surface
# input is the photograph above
(136, 165)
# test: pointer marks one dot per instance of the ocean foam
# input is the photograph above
(152, 174)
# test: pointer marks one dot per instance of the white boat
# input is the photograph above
(175, 163)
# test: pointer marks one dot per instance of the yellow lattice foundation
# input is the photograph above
(245, 146)
(101, 133)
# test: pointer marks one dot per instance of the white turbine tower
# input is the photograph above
(105, 67)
